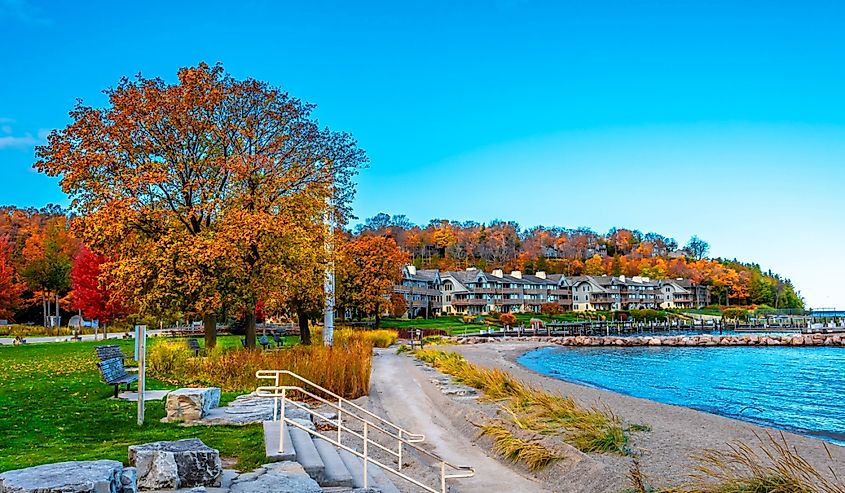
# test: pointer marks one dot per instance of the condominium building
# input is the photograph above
(475, 292)
(421, 289)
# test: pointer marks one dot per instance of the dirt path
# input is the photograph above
(405, 394)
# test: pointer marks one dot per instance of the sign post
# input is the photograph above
(141, 358)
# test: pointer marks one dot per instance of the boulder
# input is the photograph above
(179, 464)
(98, 476)
(191, 404)
(279, 477)
(129, 480)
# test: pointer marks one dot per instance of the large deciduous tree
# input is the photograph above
(193, 190)
(371, 266)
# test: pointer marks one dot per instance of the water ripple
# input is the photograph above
(798, 389)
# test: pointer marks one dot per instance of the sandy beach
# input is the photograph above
(676, 432)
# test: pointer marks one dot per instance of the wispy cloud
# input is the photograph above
(12, 141)
(24, 12)
(9, 140)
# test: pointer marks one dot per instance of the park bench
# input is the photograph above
(279, 340)
(194, 346)
(112, 351)
(114, 373)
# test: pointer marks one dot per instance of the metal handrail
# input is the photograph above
(276, 376)
(280, 392)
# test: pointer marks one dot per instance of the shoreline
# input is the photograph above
(831, 437)
(676, 432)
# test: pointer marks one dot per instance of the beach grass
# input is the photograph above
(533, 409)
(518, 450)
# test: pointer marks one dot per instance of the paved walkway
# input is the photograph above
(86, 337)
(410, 400)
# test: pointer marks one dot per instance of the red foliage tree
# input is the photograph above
(10, 289)
(94, 300)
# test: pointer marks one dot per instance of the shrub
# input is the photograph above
(167, 357)
(551, 309)
(507, 319)
(735, 314)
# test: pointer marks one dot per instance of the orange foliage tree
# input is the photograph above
(194, 190)
(371, 266)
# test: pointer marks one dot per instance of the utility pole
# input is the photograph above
(328, 287)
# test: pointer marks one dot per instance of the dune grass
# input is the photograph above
(535, 410)
(515, 449)
(54, 407)
(770, 466)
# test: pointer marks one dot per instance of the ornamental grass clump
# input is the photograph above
(381, 338)
(534, 455)
(773, 467)
(343, 369)
(532, 409)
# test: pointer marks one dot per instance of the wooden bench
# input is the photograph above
(114, 373)
(194, 346)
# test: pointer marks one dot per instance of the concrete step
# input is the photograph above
(335, 473)
(271, 442)
(306, 454)
(377, 478)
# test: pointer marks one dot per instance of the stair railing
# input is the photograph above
(279, 394)
(344, 405)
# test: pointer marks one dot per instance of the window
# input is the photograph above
(447, 286)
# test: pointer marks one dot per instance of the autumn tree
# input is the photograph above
(92, 294)
(594, 266)
(10, 288)
(191, 189)
(371, 267)
(48, 254)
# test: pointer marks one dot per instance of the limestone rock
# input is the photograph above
(191, 404)
(129, 480)
(179, 464)
(99, 476)
(279, 477)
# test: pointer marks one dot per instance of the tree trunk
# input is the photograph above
(304, 330)
(44, 308)
(250, 326)
(58, 322)
(209, 322)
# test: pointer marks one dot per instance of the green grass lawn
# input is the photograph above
(456, 326)
(54, 407)
(452, 325)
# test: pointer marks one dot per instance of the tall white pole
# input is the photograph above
(328, 312)
(141, 345)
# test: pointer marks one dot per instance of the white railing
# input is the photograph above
(402, 438)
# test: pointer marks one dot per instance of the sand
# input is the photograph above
(676, 432)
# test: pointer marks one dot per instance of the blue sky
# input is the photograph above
(722, 119)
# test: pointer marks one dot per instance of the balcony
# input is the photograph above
(508, 302)
(469, 302)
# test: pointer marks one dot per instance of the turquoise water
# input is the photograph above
(800, 389)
